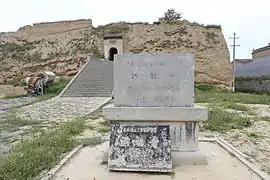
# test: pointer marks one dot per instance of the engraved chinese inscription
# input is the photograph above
(156, 99)
(112, 41)
(150, 64)
(158, 80)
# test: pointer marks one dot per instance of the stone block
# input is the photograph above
(196, 113)
(184, 136)
(154, 80)
(140, 147)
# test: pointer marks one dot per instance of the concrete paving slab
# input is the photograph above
(86, 165)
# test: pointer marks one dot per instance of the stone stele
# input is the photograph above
(153, 112)
(155, 80)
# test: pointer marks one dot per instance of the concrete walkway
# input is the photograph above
(61, 108)
(86, 165)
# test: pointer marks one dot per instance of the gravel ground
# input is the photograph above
(60, 108)
(47, 112)
(7, 135)
(6, 104)
(254, 141)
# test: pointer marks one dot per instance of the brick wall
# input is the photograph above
(259, 86)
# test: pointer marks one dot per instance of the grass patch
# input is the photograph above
(13, 96)
(214, 96)
(265, 118)
(103, 129)
(235, 106)
(93, 141)
(96, 114)
(28, 159)
(105, 123)
(105, 126)
(13, 123)
(57, 87)
(239, 107)
(222, 121)
(3, 158)
(254, 135)
(89, 126)
(204, 87)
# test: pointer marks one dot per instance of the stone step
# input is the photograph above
(87, 94)
(95, 80)
(91, 90)
(89, 86)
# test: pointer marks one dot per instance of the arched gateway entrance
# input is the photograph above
(113, 44)
(112, 52)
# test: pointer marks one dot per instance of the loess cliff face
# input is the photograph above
(208, 44)
(62, 47)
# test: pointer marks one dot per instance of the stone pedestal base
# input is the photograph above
(140, 147)
(188, 158)
(143, 138)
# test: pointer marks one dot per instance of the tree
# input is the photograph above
(170, 15)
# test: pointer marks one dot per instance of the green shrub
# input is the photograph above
(205, 87)
(170, 15)
(213, 26)
(57, 87)
(156, 22)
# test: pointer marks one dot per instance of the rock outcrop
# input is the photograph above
(62, 47)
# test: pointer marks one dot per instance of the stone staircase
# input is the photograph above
(94, 80)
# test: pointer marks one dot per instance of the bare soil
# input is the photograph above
(10, 90)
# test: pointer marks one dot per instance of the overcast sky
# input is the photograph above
(250, 19)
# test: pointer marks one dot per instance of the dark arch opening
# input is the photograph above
(112, 52)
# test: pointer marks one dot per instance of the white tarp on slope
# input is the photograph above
(258, 67)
